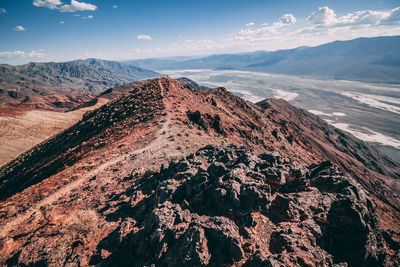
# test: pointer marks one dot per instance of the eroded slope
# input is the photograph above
(92, 173)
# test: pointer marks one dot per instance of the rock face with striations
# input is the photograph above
(225, 206)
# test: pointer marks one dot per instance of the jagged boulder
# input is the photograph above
(226, 206)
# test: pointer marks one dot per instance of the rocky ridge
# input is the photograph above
(102, 177)
(226, 206)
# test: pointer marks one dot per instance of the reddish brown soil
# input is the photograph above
(13, 111)
(56, 102)
(90, 166)
(23, 128)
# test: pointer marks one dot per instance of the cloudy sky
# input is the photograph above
(59, 30)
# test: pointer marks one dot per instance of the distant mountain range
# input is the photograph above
(364, 59)
(120, 68)
(17, 83)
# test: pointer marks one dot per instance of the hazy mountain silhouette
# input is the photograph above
(364, 59)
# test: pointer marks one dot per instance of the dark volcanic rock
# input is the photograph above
(206, 121)
(225, 206)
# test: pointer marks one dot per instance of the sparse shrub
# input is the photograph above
(3, 256)
(82, 223)
(58, 254)
(74, 231)
(78, 175)
(46, 211)
(3, 241)
(8, 211)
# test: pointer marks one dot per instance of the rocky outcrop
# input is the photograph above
(206, 121)
(192, 83)
(225, 206)
(220, 206)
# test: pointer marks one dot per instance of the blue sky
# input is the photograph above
(59, 30)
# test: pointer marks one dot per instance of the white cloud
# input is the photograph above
(72, 7)
(88, 17)
(250, 24)
(199, 44)
(361, 18)
(3, 10)
(94, 54)
(62, 22)
(253, 34)
(114, 6)
(52, 4)
(11, 53)
(21, 54)
(324, 16)
(327, 17)
(326, 26)
(289, 32)
(393, 18)
(77, 6)
(19, 28)
(287, 19)
(286, 32)
(144, 37)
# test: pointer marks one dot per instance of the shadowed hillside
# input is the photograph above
(166, 173)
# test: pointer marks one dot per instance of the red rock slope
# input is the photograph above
(63, 199)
